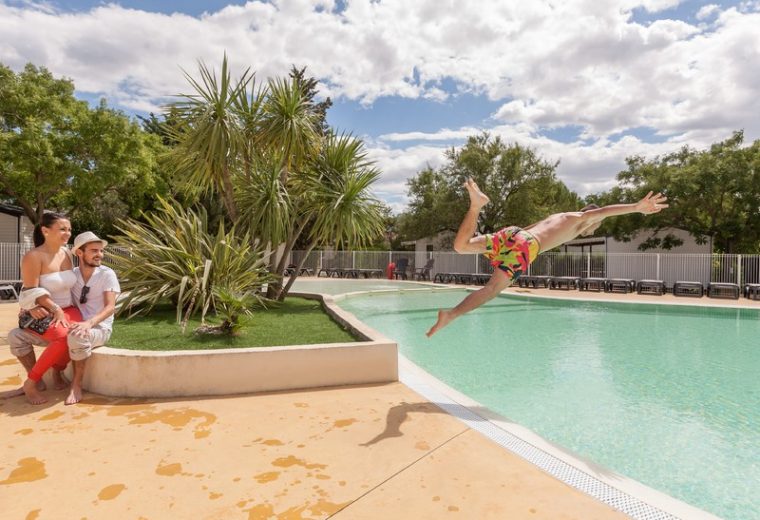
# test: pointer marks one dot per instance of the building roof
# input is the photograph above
(9, 209)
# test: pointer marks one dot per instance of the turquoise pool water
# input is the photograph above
(340, 286)
(666, 395)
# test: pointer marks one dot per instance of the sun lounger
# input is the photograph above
(730, 291)
(564, 283)
(620, 285)
(752, 291)
(8, 290)
(689, 289)
(656, 287)
(592, 284)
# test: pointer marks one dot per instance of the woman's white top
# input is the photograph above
(59, 285)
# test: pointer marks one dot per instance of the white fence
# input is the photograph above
(669, 268)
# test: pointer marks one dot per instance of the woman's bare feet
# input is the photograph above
(59, 380)
(75, 395)
(478, 199)
(32, 394)
(444, 318)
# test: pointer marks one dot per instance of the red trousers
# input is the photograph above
(56, 354)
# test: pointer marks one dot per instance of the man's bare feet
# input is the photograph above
(75, 395)
(444, 318)
(41, 386)
(32, 394)
(478, 199)
(59, 380)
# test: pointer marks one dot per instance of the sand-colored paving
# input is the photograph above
(366, 452)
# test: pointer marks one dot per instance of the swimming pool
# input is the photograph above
(340, 286)
(668, 395)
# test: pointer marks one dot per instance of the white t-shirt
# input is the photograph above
(103, 279)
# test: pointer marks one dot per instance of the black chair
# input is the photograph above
(400, 271)
(423, 273)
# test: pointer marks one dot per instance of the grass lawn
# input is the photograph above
(296, 321)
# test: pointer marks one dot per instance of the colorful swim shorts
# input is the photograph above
(512, 250)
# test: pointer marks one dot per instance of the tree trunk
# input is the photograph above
(292, 280)
(228, 196)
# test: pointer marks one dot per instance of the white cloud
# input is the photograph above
(577, 62)
(706, 11)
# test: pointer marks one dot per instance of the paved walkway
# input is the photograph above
(366, 452)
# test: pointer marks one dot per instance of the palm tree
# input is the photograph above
(290, 123)
(335, 198)
(212, 134)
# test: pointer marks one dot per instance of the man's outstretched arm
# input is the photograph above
(648, 205)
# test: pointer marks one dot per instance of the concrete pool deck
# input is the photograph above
(364, 452)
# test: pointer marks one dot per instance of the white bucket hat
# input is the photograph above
(85, 238)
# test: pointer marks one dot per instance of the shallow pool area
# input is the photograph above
(342, 285)
(665, 394)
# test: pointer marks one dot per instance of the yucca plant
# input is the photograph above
(230, 307)
(174, 256)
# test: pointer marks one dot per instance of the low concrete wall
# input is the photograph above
(135, 373)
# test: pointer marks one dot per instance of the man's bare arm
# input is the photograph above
(648, 205)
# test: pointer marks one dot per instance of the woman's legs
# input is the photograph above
(55, 355)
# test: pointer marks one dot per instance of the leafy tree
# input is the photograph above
(57, 152)
(521, 185)
(713, 194)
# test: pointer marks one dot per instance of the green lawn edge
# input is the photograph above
(295, 321)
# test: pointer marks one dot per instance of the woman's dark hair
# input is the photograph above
(48, 219)
(590, 206)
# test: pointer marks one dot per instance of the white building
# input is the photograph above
(15, 226)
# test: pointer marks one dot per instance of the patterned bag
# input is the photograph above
(26, 321)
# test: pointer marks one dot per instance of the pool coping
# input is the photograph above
(620, 492)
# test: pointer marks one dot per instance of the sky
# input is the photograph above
(583, 82)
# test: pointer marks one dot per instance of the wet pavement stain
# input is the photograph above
(13, 380)
(422, 445)
(269, 476)
(214, 496)
(301, 405)
(32, 515)
(273, 442)
(342, 423)
(260, 512)
(8, 362)
(111, 492)
(178, 418)
(24, 431)
(453, 509)
(53, 415)
(29, 469)
(290, 460)
(169, 470)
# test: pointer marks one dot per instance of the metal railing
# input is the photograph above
(668, 267)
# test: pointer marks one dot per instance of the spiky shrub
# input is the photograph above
(173, 255)
(230, 307)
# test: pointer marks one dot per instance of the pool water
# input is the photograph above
(340, 286)
(667, 395)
